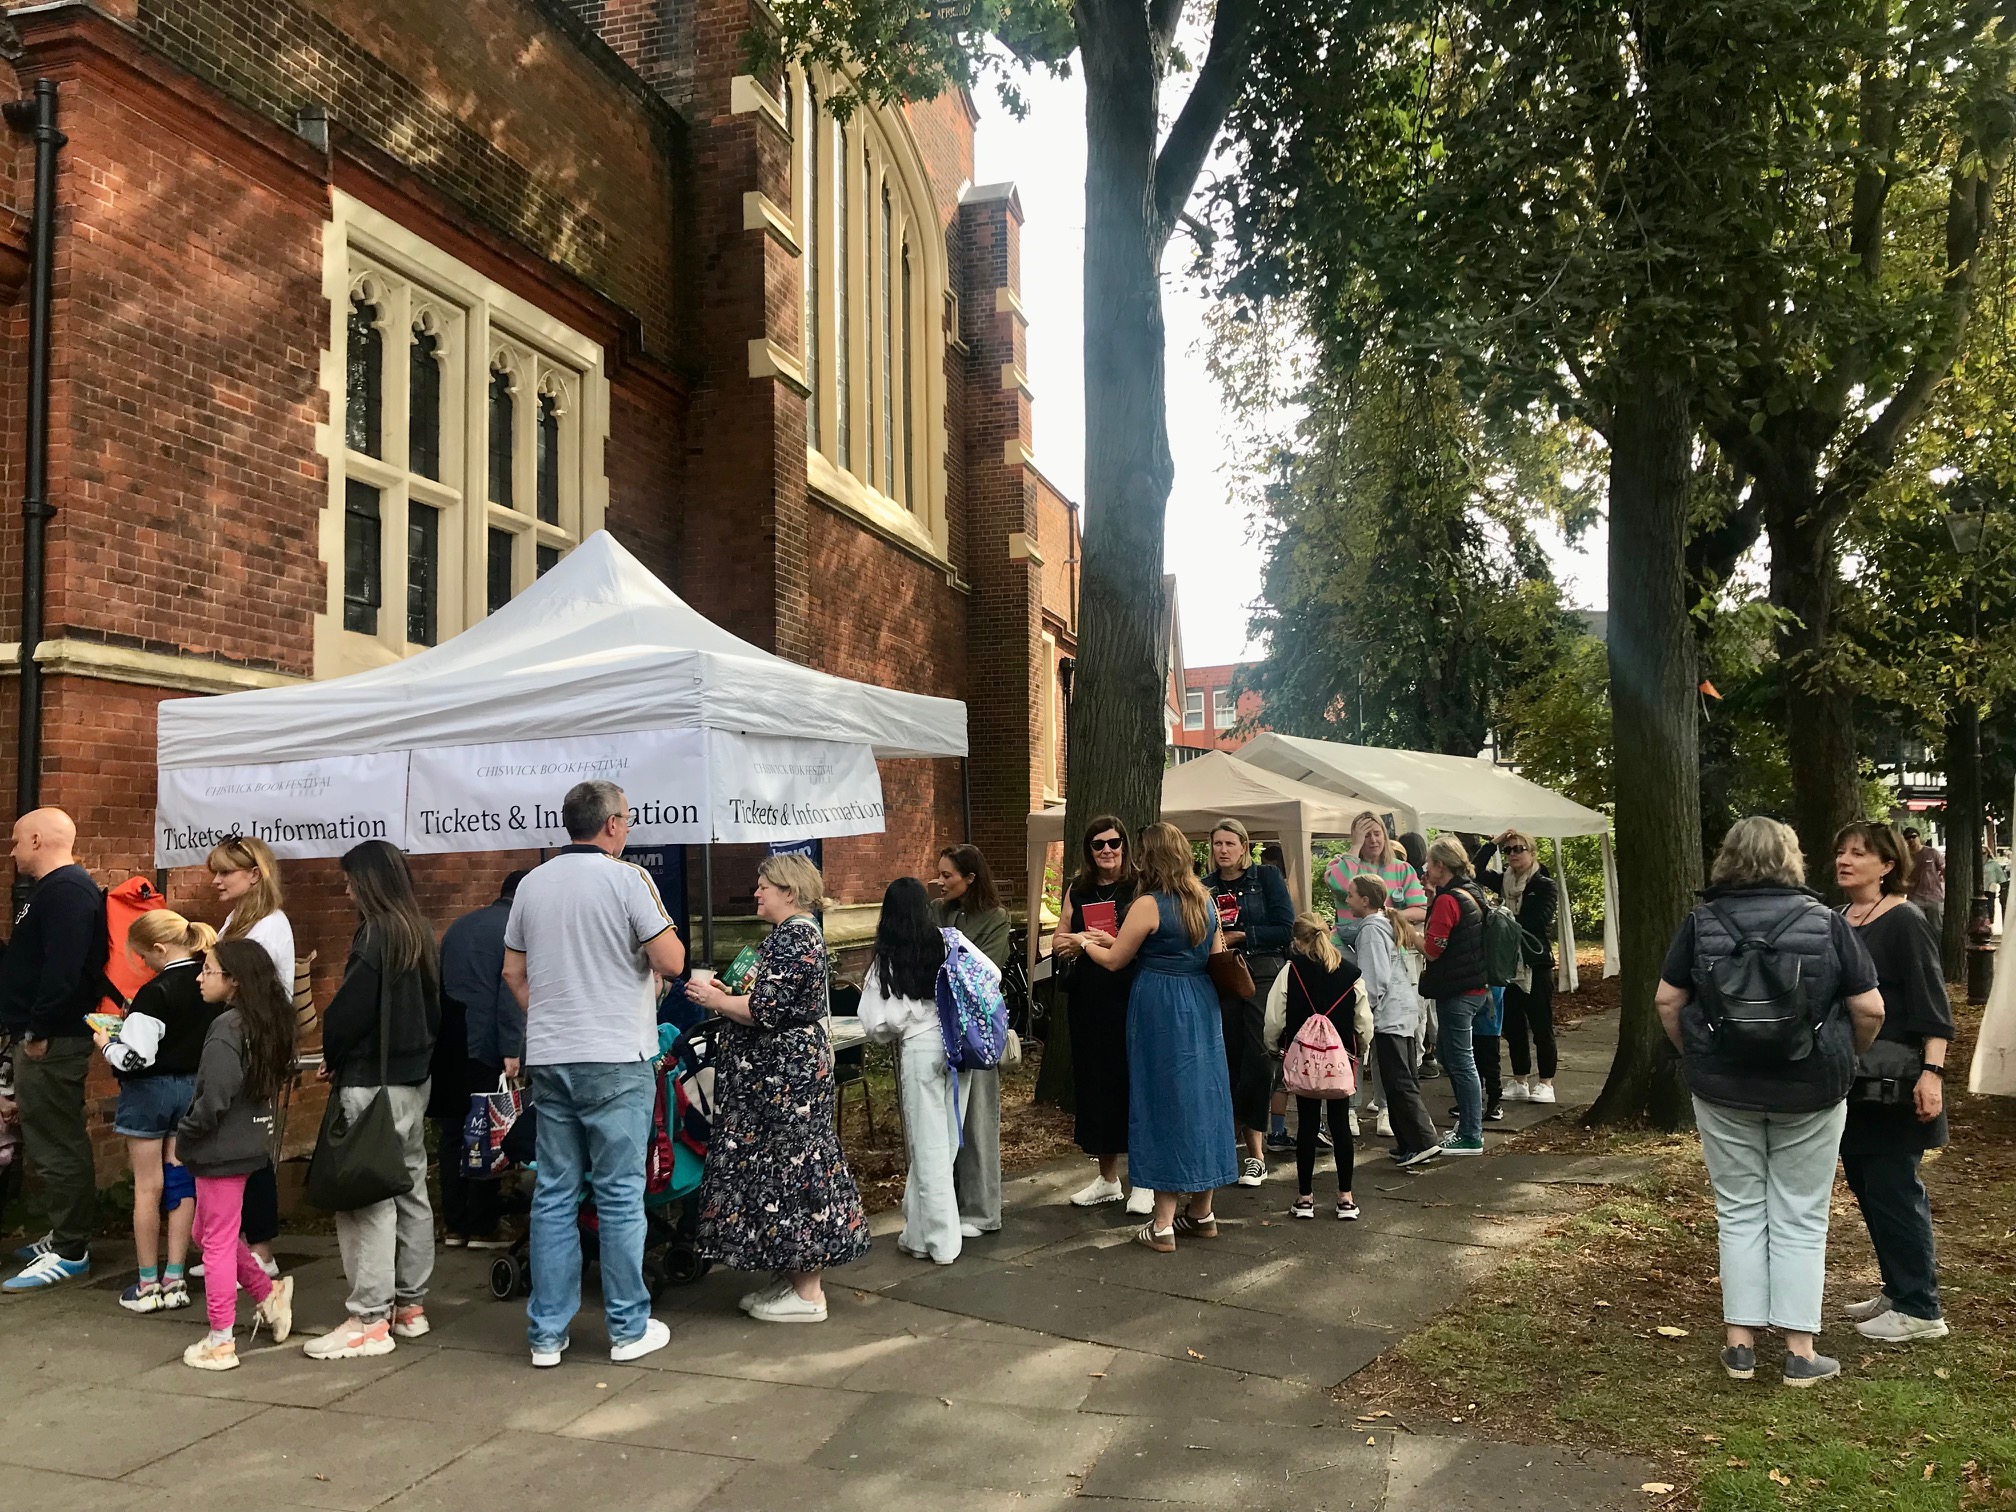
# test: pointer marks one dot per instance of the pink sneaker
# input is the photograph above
(353, 1340)
(410, 1322)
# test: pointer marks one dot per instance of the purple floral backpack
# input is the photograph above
(972, 1013)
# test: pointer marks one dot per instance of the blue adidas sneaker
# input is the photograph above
(49, 1270)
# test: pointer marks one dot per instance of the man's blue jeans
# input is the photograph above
(594, 1119)
(1453, 1018)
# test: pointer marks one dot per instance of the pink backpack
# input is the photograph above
(1316, 1064)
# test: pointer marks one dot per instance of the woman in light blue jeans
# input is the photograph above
(1771, 1110)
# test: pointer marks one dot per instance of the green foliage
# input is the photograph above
(1404, 594)
(1558, 724)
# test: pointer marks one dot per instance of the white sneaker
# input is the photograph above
(271, 1267)
(1862, 1312)
(352, 1340)
(1893, 1327)
(1100, 1191)
(1140, 1202)
(1516, 1090)
(1352, 1121)
(788, 1307)
(655, 1337)
(1252, 1171)
(1542, 1092)
(777, 1282)
(546, 1359)
(1384, 1128)
(277, 1311)
(969, 1230)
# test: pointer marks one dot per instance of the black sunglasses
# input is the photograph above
(1109, 845)
(1517, 850)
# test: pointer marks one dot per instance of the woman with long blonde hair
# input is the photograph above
(1179, 1109)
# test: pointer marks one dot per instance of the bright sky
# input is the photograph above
(1210, 544)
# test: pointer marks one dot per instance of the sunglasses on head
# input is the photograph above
(1109, 845)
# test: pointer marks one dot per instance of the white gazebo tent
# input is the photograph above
(1198, 794)
(1423, 790)
(596, 670)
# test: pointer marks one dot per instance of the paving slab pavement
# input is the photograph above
(1055, 1363)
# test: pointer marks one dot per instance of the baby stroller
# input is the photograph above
(675, 1157)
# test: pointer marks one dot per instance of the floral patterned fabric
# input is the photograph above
(777, 1194)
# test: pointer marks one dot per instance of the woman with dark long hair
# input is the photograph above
(969, 902)
(379, 1033)
(1179, 1093)
(1096, 1008)
(899, 1004)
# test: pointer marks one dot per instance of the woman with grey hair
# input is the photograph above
(1769, 1064)
(1454, 979)
(777, 1195)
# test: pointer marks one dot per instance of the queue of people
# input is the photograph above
(1184, 994)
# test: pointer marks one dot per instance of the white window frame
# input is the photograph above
(1047, 730)
(1224, 709)
(478, 322)
(859, 398)
(1193, 708)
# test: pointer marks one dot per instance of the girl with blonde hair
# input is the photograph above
(1179, 1093)
(154, 1053)
(1318, 980)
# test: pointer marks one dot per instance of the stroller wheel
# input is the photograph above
(683, 1266)
(506, 1277)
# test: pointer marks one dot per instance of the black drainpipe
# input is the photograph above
(39, 116)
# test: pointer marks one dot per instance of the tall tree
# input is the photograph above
(1140, 175)
(1551, 197)
(1404, 596)
(1849, 315)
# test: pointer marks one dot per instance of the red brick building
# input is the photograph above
(1214, 710)
(366, 311)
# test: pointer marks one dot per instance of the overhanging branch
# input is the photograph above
(1196, 127)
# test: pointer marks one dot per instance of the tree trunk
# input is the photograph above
(1819, 709)
(1653, 696)
(1117, 735)
(1963, 834)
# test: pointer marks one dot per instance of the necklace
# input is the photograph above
(1868, 911)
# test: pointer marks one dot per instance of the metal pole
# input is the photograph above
(707, 905)
(38, 115)
(966, 797)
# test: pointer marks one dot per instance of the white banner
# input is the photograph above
(769, 787)
(300, 808)
(507, 796)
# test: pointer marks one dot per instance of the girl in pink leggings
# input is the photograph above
(228, 1133)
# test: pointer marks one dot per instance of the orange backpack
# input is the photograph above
(123, 904)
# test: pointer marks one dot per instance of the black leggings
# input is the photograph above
(1308, 1114)
(1531, 1010)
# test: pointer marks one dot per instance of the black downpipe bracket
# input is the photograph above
(36, 115)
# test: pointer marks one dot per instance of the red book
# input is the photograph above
(1101, 916)
(1228, 909)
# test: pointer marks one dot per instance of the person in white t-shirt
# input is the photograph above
(586, 934)
(247, 879)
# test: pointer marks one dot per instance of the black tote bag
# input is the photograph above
(361, 1160)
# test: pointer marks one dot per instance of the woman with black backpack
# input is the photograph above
(1769, 996)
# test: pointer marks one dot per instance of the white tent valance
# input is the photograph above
(596, 670)
(1424, 790)
(1197, 794)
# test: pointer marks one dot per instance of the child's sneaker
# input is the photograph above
(1347, 1210)
(142, 1297)
(1305, 1207)
(203, 1355)
(352, 1340)
(1280, 1141)
(277, 1311)
(410, 1322)
(174, 1294)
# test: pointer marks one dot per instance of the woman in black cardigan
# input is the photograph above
(1256, 919)
(1531, 893)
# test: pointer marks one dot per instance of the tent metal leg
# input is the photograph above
(707, 905)
(966, 798)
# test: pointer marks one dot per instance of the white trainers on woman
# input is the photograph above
(1100, 1191)
(1140, 1202)
(788, 1307)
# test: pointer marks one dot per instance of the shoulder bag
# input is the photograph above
(360, 1161)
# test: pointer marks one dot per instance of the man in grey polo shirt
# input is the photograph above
(587, 932)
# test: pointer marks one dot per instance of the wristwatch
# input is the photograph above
(1938, 1071)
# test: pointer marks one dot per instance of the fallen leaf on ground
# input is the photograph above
(1668, 1331)
(1738, 1464)
(1602, 1304)
(1656, 1488)
(1929, 1469)
(1942, 1372)
(1193, 1354)
(1098, 1375)
(1779, 1477)
(1372, 1438)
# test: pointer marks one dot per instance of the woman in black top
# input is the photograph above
(1096, 1008)
(1254, 917)
(1894, 1118)
(1529, 890)
(155, 1055)
(392, 978)
(1317, 979)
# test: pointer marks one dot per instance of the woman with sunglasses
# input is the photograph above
(1096, 1008)
(1533, 895)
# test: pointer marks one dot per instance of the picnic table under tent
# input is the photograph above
(595, 670)
(1195, 796)
(1422, 790)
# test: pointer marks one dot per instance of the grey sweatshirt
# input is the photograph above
(1396, 1006)
(224, 1133)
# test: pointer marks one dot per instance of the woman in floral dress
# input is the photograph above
(777, 1195)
